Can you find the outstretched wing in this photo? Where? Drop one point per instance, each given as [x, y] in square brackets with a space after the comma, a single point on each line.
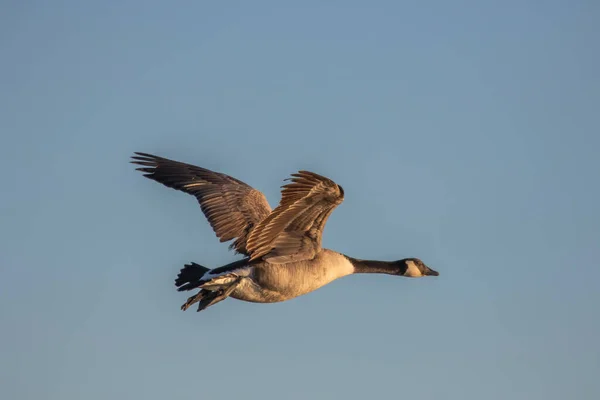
[293, 230]
[232, 207]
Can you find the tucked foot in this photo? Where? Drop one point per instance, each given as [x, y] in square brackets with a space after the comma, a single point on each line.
[193, 299]
[209, 297]
[212, 298]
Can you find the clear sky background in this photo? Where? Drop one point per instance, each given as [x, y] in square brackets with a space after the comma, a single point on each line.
[465, 133]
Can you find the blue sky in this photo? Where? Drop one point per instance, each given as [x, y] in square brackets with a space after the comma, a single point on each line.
[464, 133]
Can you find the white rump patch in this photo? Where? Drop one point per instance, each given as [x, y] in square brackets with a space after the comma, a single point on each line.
[215, 281]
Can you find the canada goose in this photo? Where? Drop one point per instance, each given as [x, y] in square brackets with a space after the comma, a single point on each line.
[284, 258]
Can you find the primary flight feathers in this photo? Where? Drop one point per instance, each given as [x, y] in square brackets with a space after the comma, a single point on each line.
[235, 210]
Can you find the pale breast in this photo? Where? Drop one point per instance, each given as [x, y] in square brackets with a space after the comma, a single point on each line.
[279, 282]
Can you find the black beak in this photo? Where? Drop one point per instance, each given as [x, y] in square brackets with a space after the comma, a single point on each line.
[430, 272]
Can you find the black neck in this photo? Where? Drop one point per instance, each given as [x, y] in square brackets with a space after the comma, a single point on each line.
[377, 267]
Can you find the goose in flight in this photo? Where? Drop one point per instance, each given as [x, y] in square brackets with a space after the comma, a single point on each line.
[282, 247]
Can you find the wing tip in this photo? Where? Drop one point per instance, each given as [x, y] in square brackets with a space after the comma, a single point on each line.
[144, 157]
[142, 154]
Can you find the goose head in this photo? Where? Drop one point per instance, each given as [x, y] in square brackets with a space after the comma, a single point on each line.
[415, 268]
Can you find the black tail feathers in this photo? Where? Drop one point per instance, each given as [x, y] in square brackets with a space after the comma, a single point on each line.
[190, 276]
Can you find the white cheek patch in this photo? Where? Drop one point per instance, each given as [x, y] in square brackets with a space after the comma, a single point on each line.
[412, 271]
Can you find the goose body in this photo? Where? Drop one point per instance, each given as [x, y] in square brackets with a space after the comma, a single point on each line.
[282, 247]
[269, 283]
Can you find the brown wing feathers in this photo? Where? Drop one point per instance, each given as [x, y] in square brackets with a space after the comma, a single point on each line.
[231, 206]
[293, 230]
[235, 210]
